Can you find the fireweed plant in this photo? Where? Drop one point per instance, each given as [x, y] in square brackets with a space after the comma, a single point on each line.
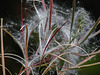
[60, 39]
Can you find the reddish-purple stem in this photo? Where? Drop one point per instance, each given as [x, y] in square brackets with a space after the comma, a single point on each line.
[36, 64]
[52, 8]
[87, 57]
[46, 24]
[53, 36]
[22, 20]
[43, 3]
[51, 4]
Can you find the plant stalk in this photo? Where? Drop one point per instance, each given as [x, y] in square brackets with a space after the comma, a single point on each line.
[51, 5]
[2, 49]
[22, 20]
[26, 51]
[72, 20]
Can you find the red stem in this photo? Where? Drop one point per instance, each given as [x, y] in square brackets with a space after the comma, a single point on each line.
[51, 4]
[53, 36]
[43, 5]
[22, 20]
[35, 64]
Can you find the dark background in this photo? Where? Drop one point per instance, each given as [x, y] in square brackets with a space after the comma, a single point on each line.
[90, 5]
[11, 8]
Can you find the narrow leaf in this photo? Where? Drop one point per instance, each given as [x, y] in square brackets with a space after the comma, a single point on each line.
[73, 13]
[26, 51]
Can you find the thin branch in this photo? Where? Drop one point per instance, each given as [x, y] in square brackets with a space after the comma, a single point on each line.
[62, 59]
[94, 64]
[89, 65]
[2, 49]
